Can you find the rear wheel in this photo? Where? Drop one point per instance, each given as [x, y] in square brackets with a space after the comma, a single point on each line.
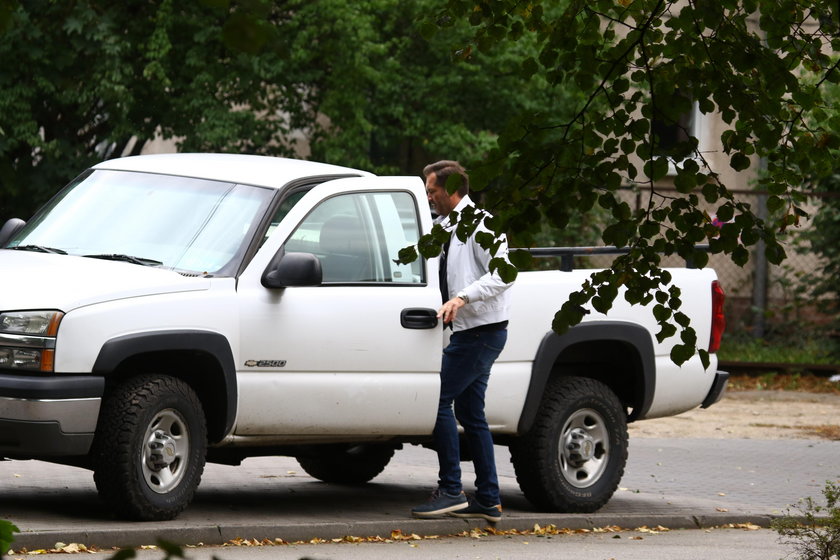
[347, 465]
[573, 458]
[150, 448]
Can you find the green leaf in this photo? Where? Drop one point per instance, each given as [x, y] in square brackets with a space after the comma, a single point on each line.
[775, 203]
[123, 554]
[453, 183]
[7, 531]
[568, 316]
[521, 258]
[649, 229]
[726, 212]
[667, 330]
[704, 358]
[739, 161]
[171, 549]
[656, 169]
[407, 255]
[689, 336]
[661, 313]
[681, 353]
[506, 271]
[529, 67]
[740, 256]
[429, 247]
[427, 29]
[699, 258]
[684, 182]
[775, 253]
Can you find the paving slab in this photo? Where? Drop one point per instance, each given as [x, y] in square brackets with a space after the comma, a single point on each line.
[675, 483]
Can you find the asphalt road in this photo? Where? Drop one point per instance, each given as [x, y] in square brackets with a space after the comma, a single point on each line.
[674, 483]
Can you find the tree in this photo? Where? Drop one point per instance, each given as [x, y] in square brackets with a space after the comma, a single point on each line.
[84, 81]
[761, 65]
[352, 79]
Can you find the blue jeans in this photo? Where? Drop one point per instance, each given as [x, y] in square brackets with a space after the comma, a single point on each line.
[463, 378]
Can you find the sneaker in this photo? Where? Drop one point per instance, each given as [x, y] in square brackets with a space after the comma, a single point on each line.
[440, 504]
[493, 514]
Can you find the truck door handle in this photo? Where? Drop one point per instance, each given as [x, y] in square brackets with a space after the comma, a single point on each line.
[418, 318]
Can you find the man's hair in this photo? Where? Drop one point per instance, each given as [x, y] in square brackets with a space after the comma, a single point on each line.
[443, 169]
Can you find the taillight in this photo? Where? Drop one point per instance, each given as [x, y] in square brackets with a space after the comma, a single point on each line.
[718, 318]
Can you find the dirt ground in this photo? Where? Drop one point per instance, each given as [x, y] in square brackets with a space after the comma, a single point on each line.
[763, 414]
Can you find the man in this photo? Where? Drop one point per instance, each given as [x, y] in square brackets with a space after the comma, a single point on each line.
[476, 306]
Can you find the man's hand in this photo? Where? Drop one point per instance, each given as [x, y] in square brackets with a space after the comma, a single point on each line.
[449, 310]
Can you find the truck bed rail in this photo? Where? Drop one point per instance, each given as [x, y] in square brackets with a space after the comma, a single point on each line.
[567, 254]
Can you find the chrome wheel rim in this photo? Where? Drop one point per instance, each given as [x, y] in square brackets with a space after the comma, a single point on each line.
[584, 448]
[165, 452]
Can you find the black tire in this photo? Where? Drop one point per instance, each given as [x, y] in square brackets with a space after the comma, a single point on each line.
[573, 458]
[150, 448]
[347, 465]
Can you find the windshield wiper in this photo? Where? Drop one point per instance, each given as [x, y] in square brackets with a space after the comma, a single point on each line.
[38, 249]
[126, 258]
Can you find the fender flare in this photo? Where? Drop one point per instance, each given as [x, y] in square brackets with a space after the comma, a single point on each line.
[553, 345]
[214, 344]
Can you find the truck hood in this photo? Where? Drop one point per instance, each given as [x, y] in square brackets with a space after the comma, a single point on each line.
[49, 281]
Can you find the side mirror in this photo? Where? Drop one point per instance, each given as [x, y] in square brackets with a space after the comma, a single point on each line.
[9, 229]
[293, 269]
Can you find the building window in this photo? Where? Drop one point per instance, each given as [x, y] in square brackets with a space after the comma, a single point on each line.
[673, 128]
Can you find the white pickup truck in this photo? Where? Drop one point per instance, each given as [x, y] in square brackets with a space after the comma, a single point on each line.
[163, 311]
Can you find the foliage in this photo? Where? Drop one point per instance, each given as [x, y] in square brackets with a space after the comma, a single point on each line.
[7, 531]
[636, 61]
[815, 534]
[548, 102]
[352, 81]
[825, 241]
[81, 81]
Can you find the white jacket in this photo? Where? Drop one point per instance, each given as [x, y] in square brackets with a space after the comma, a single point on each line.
[468, 271]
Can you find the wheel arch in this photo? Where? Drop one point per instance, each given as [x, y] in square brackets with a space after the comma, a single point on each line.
[202, 359]
[607, 351]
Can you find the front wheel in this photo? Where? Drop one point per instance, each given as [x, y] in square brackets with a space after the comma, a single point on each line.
[573, 458]
[149, 448]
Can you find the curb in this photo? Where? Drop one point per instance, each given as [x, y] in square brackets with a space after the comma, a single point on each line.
[140, 534]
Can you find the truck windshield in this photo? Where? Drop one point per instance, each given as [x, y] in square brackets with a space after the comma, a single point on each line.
[184, 224]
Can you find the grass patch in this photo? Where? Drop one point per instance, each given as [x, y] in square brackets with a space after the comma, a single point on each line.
[825, 431]
[808, 383]
[791, 350]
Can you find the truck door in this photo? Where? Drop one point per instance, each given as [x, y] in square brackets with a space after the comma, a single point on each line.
[360, 353]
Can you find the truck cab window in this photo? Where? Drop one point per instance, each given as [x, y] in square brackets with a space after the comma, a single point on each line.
[357, 238]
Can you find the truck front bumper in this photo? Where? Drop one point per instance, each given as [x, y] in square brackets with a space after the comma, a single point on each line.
[717, 390]
[48, 416]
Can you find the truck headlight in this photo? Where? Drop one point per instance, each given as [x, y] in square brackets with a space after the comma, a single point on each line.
[27, 339]
[38, 323]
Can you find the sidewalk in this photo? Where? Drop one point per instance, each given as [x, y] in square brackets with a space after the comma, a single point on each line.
[675, 483]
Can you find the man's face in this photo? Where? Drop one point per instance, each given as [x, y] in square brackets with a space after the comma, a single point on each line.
[439, 199]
